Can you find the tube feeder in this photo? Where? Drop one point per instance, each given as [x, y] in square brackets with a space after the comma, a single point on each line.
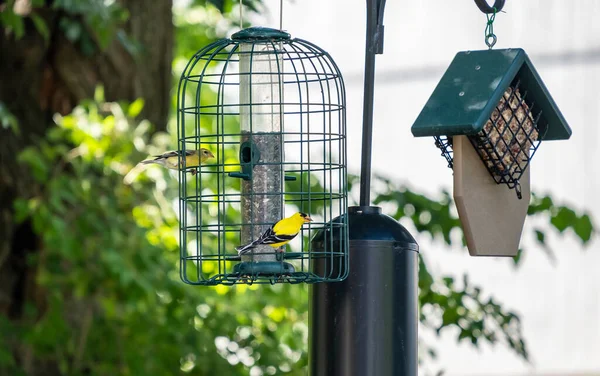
[271, 108]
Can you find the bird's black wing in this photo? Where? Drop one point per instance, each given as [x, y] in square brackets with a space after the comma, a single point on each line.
[270, 237]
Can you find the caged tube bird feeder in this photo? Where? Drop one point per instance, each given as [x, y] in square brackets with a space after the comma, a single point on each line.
[488, 115]
[261, 92]
[271, 108]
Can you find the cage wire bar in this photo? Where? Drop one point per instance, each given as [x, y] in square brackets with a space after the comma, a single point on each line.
[272, 111]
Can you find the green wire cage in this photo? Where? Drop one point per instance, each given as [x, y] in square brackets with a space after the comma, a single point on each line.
[272, 111]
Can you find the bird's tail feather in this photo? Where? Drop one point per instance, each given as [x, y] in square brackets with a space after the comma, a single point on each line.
[157, 161]
[243, 249]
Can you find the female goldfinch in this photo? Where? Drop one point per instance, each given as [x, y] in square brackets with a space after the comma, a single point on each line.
[170, 159]
[279, 234]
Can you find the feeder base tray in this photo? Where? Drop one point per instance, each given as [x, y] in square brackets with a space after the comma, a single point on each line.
[264, 268]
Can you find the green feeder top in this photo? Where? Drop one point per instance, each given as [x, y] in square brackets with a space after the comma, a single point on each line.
[260, 33]
[472, 86]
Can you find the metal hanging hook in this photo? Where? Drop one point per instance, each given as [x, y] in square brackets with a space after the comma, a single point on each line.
[485, 8]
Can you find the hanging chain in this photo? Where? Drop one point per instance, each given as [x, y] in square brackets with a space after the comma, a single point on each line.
[281, 15]
[241, 18]
[490, 37]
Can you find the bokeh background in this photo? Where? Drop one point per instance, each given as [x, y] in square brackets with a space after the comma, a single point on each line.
[89, 280]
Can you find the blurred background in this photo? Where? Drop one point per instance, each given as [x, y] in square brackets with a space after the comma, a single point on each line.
[89, 276]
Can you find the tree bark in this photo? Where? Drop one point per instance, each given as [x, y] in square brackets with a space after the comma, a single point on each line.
[38, 79]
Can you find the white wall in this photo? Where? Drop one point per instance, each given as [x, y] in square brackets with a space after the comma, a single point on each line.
[559, 304]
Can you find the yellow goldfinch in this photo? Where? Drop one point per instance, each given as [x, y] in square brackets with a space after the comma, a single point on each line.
[170, 159]
[279, 234]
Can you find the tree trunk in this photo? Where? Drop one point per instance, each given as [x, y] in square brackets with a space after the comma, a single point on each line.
[38, 79]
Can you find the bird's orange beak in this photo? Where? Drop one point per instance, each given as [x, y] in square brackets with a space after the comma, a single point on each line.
[307, 219]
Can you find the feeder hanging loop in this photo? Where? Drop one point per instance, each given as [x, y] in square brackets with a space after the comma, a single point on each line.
[485, 8]
[490, 37]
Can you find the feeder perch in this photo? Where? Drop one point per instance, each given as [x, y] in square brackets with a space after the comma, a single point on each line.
[488, 115]
[271, 108]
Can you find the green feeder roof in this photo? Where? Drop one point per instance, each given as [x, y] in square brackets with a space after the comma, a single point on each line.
[472, 86]
[260, 33]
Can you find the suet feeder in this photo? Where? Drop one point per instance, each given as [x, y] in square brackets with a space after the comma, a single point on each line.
[271, 108]
[488, 115]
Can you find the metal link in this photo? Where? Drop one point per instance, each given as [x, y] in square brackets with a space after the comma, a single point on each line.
[490, 40]
[490, 37]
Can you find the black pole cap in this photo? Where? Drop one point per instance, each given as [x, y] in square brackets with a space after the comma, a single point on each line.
[368, 223]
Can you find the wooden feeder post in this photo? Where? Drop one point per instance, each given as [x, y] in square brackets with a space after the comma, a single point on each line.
[488, 115]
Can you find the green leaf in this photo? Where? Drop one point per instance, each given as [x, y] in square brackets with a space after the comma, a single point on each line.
[7, 119]
[32, 157]
[584, 228]
[450, 316]
[563, 219]
[539, 205]
[135, 108]
[517, 258]
[22, 209]
[12, 21]
[41, 26]
[99, 94]
[541, 237]
[6, 357]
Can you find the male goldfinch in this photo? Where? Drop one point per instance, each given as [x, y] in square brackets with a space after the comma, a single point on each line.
[170, 159]
[279, 234]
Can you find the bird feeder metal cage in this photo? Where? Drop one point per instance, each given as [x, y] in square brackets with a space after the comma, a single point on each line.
[271, 109]
[497, 99]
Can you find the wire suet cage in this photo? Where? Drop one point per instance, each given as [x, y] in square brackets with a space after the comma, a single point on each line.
[271, 108]
[497, 99]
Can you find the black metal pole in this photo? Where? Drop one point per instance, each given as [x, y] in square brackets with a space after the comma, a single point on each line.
[374, 45]
[366, 325]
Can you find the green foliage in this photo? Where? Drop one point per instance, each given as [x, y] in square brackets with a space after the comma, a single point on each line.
[11, 21]
[437, 218]
[110, 250]
[7, 119]
[446, 304]
[90, 24]
[202, 22]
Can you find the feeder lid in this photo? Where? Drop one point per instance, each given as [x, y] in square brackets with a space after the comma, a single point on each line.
[260, 33]
[474, 83]
[369, 223]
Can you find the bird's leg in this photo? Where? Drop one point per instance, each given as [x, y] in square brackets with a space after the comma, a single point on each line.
[279, 254]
